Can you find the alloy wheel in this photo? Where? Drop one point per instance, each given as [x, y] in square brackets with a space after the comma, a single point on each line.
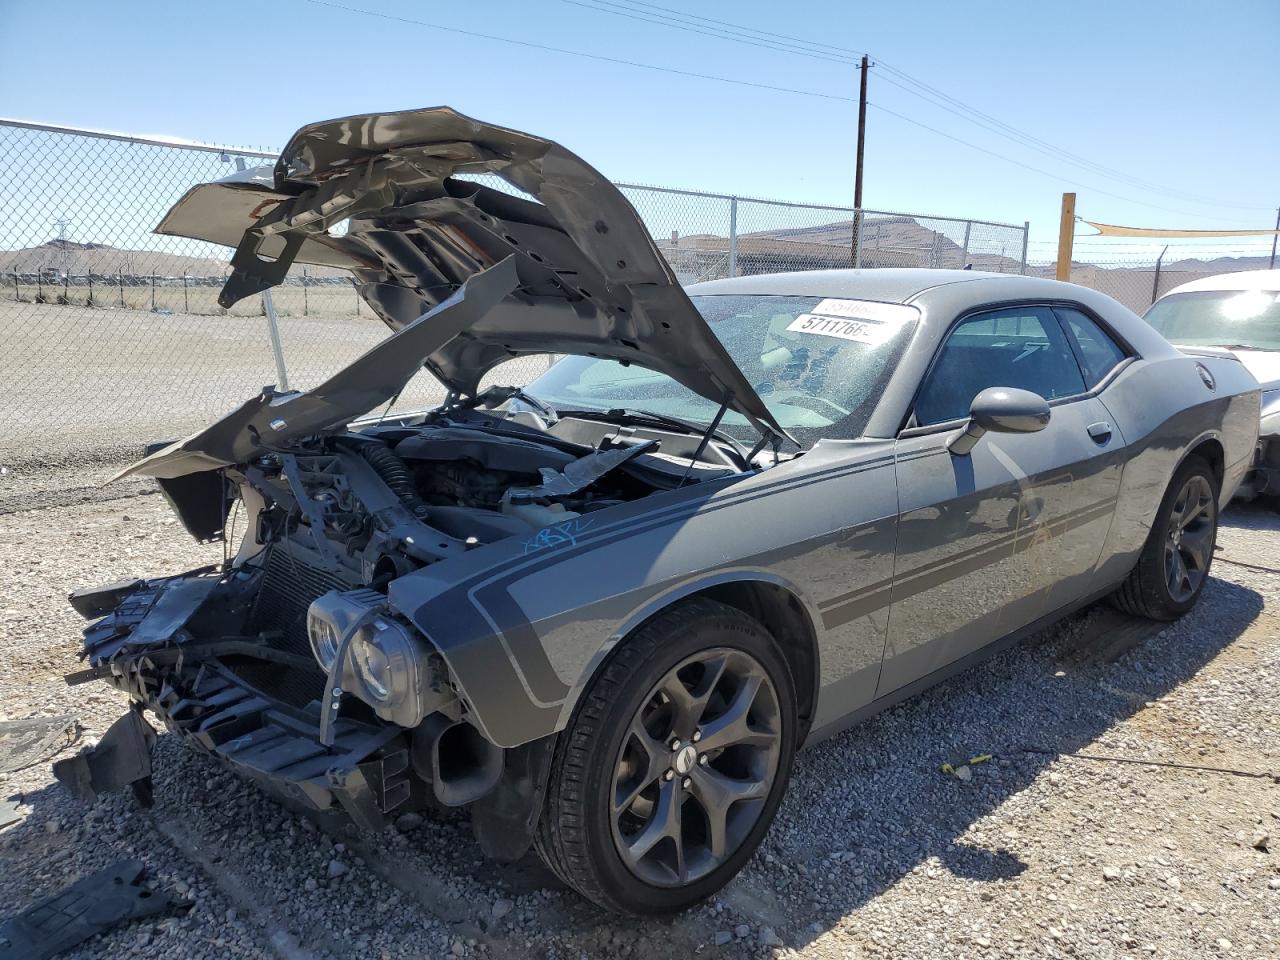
[1188, 547]
[696, 766]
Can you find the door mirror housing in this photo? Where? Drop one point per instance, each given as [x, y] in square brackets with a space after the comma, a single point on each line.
[1001, 410]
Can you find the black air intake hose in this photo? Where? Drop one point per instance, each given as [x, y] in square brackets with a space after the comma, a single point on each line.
[395, 473]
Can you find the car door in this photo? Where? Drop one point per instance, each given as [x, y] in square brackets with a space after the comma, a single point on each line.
[986, 539]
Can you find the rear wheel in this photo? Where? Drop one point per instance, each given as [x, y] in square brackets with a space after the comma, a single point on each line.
[1174, 564]
[674, 763]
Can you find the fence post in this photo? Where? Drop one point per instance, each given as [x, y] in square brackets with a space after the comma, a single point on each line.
[120, 281]
[857, 238]
[273, 332]
[40, 285]
[186, 301]
[305, 309]
[1026, 232]
[17, 294]
[89, 300]
[66, 287]
[733, 236]
[964, 251]
[153, 293]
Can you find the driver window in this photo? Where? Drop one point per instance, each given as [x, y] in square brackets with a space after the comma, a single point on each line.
[1021, 347]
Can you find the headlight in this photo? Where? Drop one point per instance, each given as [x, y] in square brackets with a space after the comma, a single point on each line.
[388, 665]
[324, 639]
[380, 654]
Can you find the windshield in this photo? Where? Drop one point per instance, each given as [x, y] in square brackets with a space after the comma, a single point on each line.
[1248, 319]
[819, 364]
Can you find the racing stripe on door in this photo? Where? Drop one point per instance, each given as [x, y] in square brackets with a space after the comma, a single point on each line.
[841, 609]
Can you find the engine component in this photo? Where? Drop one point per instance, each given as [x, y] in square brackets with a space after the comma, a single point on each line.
[465, 484]
[537, 515]
[387, 664]
[396, 473]
[506, 453]
[580, 473]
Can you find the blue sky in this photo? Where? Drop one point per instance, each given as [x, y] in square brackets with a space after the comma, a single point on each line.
[1179, 95]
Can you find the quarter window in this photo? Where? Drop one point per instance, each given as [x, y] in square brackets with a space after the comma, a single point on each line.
[1021, 347]
[1099, 354]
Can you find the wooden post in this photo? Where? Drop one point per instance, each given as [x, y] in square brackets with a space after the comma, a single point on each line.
[1066, 232]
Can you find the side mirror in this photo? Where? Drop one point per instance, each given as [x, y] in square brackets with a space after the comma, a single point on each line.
[1001, 410]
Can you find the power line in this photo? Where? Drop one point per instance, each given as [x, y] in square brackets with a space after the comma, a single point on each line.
[974, 146]
[738, 27]
[577, 53]
[726, 30]
[1001, 128]
[719, 79]
[763, 42]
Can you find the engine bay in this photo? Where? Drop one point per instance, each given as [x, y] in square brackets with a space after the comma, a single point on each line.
[373, 504]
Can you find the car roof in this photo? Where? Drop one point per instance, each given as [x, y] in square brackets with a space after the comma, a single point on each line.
[941, 296]
[886, 284]
[1242, 280]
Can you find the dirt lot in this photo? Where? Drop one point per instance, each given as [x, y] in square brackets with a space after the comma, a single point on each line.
[80, 377]
[876, 853]
[85, 389]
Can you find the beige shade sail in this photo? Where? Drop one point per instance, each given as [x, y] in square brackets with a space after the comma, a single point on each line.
[1112, 230]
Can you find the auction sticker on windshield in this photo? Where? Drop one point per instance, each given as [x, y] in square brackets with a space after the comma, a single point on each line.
[863, 321]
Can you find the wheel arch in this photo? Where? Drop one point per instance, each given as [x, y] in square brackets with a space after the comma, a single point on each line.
[776, 602]
[1209, 447]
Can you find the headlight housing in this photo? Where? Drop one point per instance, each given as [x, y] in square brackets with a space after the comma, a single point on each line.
[324, 640]
[388, 664]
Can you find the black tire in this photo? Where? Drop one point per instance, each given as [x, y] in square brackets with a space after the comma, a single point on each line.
[578, 834]
[1147, 592]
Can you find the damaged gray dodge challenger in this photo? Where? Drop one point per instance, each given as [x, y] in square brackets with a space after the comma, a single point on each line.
[603, 610]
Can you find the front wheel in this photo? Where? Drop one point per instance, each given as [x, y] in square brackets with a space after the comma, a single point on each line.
[674, 763]
[1174, 564]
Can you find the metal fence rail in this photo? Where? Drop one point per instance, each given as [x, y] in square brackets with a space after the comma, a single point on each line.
[1138, 274]
[112, 334]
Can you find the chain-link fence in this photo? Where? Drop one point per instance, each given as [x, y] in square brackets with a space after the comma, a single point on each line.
[112, 335]
[1136, 272]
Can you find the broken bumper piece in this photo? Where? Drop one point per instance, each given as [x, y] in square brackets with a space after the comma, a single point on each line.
[364, 774]
[194, 687]
[86, 908]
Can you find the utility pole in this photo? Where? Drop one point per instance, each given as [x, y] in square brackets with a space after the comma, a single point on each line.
[1275, 236]
[857, 173]
[1066, 232]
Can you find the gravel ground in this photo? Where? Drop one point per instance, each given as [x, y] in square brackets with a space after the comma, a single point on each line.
[875, 853]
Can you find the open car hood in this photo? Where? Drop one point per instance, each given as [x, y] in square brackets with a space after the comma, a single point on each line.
[589, 278]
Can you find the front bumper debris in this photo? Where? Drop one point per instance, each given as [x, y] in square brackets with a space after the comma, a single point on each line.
[121, 759]
[86, 908]
[146, 647]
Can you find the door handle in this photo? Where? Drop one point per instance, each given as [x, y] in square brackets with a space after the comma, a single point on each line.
[1100, 431]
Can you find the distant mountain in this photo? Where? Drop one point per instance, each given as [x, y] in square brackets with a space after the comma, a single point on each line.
[105, 260]
[887, 242]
